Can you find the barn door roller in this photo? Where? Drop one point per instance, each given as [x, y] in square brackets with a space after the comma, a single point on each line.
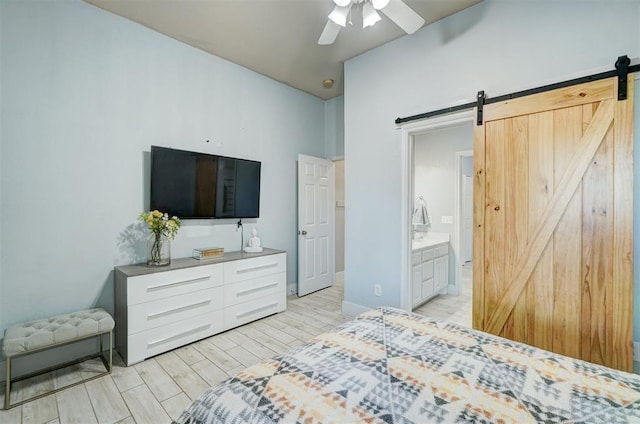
[622, 67]
[480, 98]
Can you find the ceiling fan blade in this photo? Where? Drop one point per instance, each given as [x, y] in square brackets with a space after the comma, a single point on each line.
[329, 33]
[404, 16]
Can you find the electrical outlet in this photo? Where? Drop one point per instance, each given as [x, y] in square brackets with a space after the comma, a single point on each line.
[447, 219]
[377, 290]
[636, 351]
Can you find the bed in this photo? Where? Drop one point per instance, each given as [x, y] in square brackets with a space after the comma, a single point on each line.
[390, 366]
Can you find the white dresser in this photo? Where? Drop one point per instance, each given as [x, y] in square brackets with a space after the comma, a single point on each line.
[430, 268]
[159, 309]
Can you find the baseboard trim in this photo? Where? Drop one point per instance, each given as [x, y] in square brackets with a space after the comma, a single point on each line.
[339, 276]
[353, 309]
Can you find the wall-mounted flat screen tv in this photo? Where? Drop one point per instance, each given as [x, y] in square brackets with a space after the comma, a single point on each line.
[193, 185]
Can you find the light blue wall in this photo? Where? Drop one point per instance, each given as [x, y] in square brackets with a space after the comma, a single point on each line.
[497, 46]
[84, 95]
[334, 127]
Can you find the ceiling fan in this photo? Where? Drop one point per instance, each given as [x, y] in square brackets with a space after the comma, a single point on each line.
[396, 10]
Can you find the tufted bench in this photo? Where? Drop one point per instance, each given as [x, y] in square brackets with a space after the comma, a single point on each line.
[43, 334]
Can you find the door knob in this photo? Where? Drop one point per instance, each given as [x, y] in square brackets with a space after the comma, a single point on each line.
[303, 232]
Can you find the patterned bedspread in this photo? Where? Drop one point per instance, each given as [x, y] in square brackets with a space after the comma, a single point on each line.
[394, 367]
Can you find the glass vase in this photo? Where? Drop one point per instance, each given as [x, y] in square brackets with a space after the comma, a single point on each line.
[159, 250]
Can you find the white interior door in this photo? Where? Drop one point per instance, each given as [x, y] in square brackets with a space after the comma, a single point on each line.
[467, 218]
[316, 213]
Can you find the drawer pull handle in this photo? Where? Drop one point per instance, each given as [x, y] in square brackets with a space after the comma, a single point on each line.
[178, 336]
[254, 289]
[256, 268]
[253, 311]
[178, 309]
[178, 283]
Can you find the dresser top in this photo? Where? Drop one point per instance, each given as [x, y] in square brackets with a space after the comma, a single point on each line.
[143, 269]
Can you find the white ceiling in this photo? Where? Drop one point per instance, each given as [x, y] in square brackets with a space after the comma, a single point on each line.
[276, 38]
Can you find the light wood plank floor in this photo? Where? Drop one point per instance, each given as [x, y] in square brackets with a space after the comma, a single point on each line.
[158, 389]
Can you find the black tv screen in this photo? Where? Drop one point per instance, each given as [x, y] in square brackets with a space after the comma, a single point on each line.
[199, 185]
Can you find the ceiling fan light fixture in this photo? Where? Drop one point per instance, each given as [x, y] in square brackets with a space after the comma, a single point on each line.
[369, 15]
[339, 15]
[342, 3]
[379, 4]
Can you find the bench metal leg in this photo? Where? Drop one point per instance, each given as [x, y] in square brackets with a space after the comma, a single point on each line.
[108, 366]
[7, 390]
[110, 351]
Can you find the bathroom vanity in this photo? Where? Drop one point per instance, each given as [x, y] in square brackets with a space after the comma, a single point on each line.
[429, 267]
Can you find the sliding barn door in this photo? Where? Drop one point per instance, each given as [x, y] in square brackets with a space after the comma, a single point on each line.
[553, 222]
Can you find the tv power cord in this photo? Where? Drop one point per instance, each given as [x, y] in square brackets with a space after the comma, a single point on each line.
[239, 225]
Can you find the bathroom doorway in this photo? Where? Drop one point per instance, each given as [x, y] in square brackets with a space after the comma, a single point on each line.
[436, 155]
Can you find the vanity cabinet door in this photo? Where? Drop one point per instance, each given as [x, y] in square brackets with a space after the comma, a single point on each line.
[441, 272]
[416, 284]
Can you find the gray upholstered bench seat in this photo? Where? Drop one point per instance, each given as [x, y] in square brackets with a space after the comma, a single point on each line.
[44, 333]
[29, 337]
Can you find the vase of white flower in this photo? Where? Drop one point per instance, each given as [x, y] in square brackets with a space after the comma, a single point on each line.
[163, 229]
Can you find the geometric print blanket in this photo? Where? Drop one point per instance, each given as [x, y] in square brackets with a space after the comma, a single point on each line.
[390, 366]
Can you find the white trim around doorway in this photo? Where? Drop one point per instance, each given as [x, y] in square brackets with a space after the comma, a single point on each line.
[457, 231]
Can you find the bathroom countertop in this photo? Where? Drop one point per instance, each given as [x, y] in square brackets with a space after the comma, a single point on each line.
[429, 240]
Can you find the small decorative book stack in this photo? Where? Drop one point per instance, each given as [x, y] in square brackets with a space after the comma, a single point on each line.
[208, 253]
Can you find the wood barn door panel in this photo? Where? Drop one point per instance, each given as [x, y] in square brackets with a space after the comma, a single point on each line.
[620, 318]
[541, 190]
[567, 239]
[553, 225]
[479, 262]
[576, 95]
[494, 219]
[540, 236]
[597, 251]
[516, 204]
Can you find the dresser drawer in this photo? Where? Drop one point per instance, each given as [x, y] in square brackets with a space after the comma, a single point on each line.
[416, 258]
[144, 316]
[157, 340]
[160, 285]
[442, 250]
[247, 269]
[427, 254]
[250, 311]
[244, 291]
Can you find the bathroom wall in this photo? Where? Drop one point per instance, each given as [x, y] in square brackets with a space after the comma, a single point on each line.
[435, 172]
